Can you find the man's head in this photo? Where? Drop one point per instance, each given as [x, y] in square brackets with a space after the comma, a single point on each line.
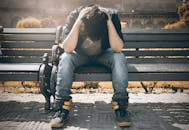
[95, 22]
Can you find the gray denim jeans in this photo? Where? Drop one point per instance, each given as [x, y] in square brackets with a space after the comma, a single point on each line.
[69, 61]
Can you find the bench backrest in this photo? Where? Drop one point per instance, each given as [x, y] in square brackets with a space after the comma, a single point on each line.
[141, 46]
[27, 45]
[156, 46]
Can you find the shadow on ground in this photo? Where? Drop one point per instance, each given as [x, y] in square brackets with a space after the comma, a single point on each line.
[97, 116]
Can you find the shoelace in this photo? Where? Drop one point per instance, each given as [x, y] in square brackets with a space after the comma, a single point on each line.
[57, 114]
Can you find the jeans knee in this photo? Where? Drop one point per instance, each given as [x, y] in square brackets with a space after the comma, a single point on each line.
[119, 58]
[65, 59]
[66, 62]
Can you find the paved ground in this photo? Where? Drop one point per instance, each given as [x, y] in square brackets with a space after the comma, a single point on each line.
[93, 112]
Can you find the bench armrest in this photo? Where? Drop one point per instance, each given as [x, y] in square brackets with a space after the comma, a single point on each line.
[56, 52]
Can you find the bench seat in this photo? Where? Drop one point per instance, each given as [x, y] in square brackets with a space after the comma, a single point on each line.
[137, 72]
[18, 71]
[20, 67]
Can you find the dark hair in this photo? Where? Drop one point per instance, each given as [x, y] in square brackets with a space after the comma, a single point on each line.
[95, 23]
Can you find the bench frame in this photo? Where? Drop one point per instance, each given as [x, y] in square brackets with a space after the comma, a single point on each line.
[40, 71]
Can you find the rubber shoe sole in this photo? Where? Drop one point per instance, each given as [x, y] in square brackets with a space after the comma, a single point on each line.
[124, 124]
[57, 125]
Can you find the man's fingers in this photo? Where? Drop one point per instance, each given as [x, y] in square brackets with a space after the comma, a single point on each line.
[106, 12]
[84, 12]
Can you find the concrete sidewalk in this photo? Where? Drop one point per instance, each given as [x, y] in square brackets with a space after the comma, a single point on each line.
[93, 112]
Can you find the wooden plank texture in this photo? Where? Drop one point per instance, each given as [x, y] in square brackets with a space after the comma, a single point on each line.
[134, 77]
[19, 76]
[8, 67]
[157, 53]
[21, 59]
[138, 68]
[25, 52]
[157, 44]
[26, 37]
[31, 44]
[29, 30]
[38, 59]
[156, 37]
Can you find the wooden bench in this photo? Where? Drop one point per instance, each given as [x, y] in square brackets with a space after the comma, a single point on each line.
[152, 55]
[24, 53]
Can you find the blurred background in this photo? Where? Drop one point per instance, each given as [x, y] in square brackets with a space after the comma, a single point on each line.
[133, 13]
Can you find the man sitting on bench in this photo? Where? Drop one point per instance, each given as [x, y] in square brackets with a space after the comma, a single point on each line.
[92, 35]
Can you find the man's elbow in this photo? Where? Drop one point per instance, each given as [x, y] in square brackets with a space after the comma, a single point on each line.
[68, 50]
[117, 49]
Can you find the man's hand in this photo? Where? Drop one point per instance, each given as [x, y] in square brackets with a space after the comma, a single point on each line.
[83, 13]
[116, 42]
[70, 42]
[105, 10]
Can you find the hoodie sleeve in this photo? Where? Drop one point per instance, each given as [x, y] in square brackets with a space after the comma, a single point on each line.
[70, 20]
[117, 24]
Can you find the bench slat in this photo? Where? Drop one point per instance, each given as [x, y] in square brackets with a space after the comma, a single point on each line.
[157, 53]
[134, 77]
[19, 76]
[21, 59]
[20, 67]
[129, 60]
[156, 37]
[161, 44]
[159, 77]
[126, 53]
[158, 68]
[25, 37]
[29, 30]
[155, 31]
[139, 68]
[25, 52]
[46, 44]
[157, 60]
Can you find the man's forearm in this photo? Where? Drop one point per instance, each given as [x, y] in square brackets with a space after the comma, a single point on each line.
[70, 43]
[116, 42]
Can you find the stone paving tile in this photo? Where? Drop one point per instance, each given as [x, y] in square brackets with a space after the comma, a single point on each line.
[93, 116]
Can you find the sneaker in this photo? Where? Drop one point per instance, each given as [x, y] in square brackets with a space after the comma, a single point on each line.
[122, 118]
[59, 120]
[61, 116]
[121, 115]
